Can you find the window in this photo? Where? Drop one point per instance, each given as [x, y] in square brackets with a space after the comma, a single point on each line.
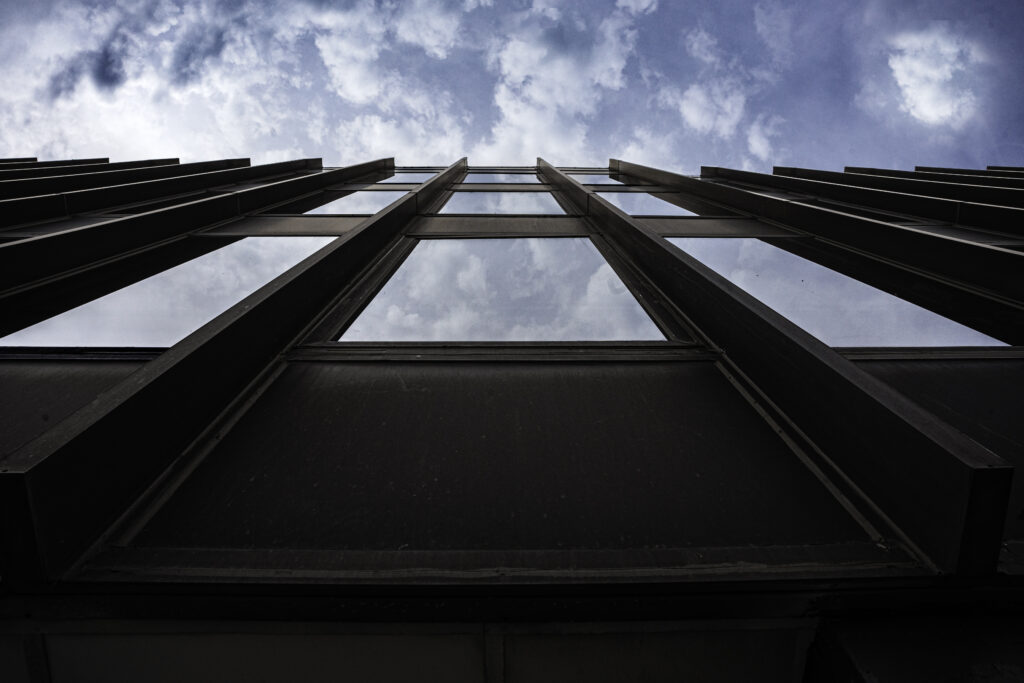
[502, 202]
[501, 178]
[166, 307]
[835, 308]
[595, 179]
[537, 289]
[358, 202]
[401, 177]
[644, 204]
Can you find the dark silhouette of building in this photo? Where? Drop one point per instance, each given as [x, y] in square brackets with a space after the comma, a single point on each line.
[767, 431]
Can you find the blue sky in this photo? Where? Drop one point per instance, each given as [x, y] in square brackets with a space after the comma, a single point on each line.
[672, 84]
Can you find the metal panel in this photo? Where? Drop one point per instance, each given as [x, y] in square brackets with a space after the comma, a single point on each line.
[981, 397]
[428, 456]
[36, 394]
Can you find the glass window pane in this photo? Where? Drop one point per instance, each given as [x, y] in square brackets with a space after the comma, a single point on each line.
[164, 308]
[501, 178]
[502, 202]
[401, 177]
[595, 179]
[550, 289]
[837, 309]
[368, 201]
[644, 204]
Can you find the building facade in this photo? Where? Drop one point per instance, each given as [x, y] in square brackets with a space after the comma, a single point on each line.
[510, 423]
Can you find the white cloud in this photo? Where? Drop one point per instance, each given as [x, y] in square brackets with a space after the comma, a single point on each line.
[547, 8]
[774, 25]
[715, 107]
[428, 25]
[652, 148]
[760, 134]
[702, 45]
[637, 6]
[546, 94]
[933, 70]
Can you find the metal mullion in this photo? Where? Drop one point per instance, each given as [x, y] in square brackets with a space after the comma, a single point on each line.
[968, 213]
[943, 177]
[958, 191]
[30, 260]
[669, 319]
[351, 301]
[47, 171]
[988, 275]
[71, 466]
[28, 187]
[53, 163]
[971, 171]
[956, 521]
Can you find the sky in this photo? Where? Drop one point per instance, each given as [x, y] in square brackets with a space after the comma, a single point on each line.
[551, 289]
[886, 83]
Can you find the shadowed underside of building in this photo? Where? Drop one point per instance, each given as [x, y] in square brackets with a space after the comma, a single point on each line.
[288, 422]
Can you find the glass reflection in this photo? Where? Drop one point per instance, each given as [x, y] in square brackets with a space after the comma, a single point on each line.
[836, 309]
[502, 202]
[644, 204]
[549, 289]
[164, 308]
[368, 201]
[401, 177]
[501, 178]
[595, 179]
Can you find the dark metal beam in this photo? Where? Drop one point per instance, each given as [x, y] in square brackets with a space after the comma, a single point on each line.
[960, 191]
[28, 187]
[1002, 181]
[933, 268]
[968, 171]
[33, 163]
[101, 458]
[64, 204]
[40, 170]
[873, 436]
[988, 216]
[33, 259]
[9, 160]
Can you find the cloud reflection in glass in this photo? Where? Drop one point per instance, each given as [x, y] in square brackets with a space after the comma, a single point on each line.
[836, 309]
[166, 307]
[549, 289]
[503, 203]
[643, 204]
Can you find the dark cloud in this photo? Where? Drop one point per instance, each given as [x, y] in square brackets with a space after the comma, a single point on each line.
[199, 45]
[108, 68]
[65, 80]
[106, 65]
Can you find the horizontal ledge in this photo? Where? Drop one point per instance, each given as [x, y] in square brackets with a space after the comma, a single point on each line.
[845, 560]
[615, 351]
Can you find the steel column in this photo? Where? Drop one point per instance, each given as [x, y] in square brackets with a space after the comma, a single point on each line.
[872, 435]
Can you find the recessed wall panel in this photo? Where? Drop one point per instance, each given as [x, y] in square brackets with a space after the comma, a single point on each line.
[489, 456]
